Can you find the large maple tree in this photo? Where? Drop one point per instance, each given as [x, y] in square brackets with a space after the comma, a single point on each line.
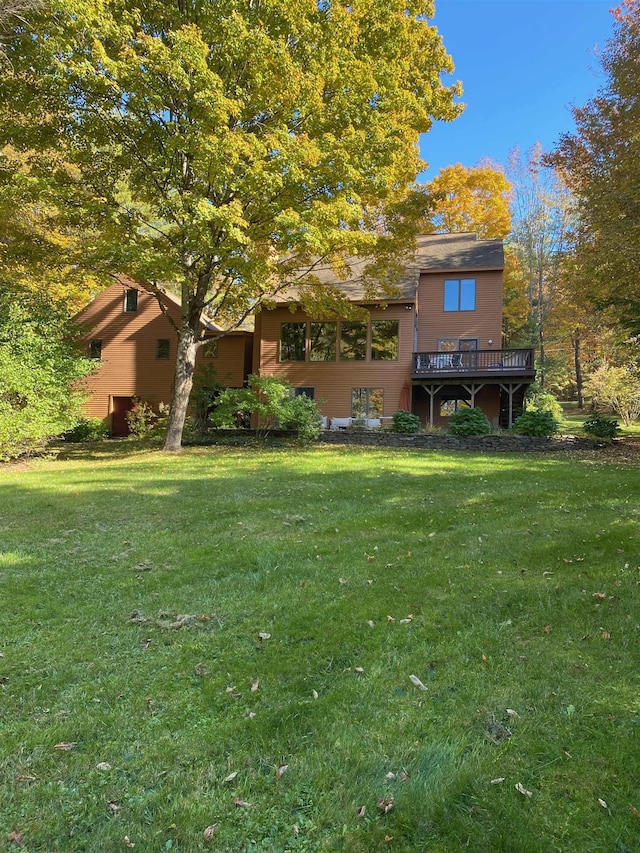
[229, 147]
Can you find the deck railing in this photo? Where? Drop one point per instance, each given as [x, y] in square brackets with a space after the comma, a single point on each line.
[483, 361]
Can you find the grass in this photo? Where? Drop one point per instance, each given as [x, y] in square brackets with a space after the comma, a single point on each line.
[316, 583]
[573, 419]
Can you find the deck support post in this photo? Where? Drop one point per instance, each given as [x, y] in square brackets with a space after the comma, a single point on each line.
[510, 389]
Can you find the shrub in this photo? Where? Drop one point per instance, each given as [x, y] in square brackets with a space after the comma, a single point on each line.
[142, 419]
[404, 421]
[539, 422]
[273, 401]
[601, 427]
[539, 400]
[87, 429]
[469, 422]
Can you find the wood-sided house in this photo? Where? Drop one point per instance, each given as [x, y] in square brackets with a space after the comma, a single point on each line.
[133, 338]
[431, 349]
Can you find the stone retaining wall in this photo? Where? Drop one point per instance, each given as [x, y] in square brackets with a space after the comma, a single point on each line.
[478, 443]
[428, 441]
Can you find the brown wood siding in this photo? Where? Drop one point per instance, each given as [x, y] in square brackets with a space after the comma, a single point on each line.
[334, 380]
[229, 363]
[485, 323]
[129, 366]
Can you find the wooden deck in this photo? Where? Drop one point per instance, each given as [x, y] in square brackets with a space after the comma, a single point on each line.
[492, 365]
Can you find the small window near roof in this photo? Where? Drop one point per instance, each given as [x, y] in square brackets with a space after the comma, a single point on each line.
[95, 349]
[130, 300]
[163, 348]
[210, 349]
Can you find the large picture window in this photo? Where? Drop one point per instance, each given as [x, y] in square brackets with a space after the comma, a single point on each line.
[322, 341]
[353, 341]
[460, 294]
[367, 402]
[293, 341]
[384, 340]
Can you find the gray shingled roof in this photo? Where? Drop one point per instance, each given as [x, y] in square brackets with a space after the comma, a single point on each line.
[434, 252]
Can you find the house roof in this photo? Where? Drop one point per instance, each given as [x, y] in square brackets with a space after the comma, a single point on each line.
[460, 252]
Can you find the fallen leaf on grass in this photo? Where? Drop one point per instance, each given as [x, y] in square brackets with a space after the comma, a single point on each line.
[342, 581]
[281, 770]
[263, 635]
[417, 683]
[385, 804]
[605, 635]
[546, 629]
[513, 714]
[231, 776]
[390, 619]
[602, 803]
[315, 694]
[255, 685]
[634, 811]
[127, 842]
[242, 804]
[15, 838]
[209, 832]
[113, 807]
[601, 596]
[358, 670]
[522, 790]
[361, 812]
[498, 780]
[390, 776]
[201, 669]
[371, 623]
[65, 745]
[103, 765]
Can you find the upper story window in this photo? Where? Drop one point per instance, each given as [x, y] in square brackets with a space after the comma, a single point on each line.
[322, 340]
[95, 348]
[293, 339]
[130, 300]
[353, 341]
[384, 340]
[163, 348]
[210, 349]
[460, 294]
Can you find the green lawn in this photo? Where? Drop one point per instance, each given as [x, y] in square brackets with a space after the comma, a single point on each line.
[227, 637]
[573, 419]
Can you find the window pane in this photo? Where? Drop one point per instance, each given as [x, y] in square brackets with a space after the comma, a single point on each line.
[131, 300]
[358, 402]
[304, 392]
[210, 349]
[323, 341]
[447, 344]
[292, 341]
[468, 294]
[353, 341]
[163, 348]
[451, 295]
[95, 349]
[376, 403]
[468, 344]
[367, 402]
[384, 340]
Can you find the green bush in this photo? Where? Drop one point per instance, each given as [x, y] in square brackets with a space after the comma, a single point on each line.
[273, 401]
[142, 420]
[404, 421]
[539, 400]
[87, 429]
[539, 422]
[469, 422]
[601, 427]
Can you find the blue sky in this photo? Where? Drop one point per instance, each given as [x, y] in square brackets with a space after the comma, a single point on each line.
[522, 64]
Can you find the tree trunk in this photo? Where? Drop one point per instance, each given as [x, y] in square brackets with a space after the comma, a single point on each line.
[182, 385]
[577, 360]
